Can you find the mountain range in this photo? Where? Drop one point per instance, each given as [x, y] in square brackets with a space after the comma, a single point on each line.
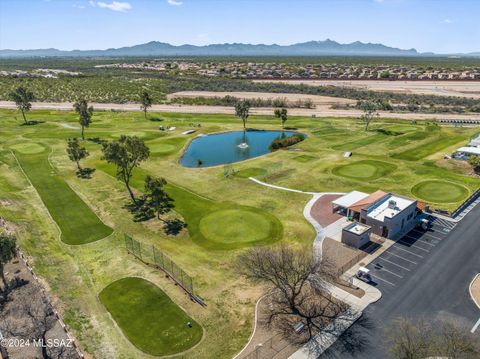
[155, 48]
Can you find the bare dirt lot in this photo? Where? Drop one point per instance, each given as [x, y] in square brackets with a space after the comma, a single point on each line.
[438, 88]
[290, 97]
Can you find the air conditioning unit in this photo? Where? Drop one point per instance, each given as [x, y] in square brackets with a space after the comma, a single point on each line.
[392, 204]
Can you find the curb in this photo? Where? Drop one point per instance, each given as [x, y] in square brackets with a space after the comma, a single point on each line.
[470, 289]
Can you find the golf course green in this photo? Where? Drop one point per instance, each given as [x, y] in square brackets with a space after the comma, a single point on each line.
[440, 191]
[364, 170]
[149, 318]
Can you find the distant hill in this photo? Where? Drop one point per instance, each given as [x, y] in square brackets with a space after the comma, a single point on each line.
[155, 48]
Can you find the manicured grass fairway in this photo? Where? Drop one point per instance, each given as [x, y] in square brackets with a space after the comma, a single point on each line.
[240, 231]
[429, 148]
[149, 318]
[79, 225]
[364, 170]
[165, 147]
[440, 191]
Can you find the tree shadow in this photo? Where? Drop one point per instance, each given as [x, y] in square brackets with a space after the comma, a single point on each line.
[85, 173]
[140, 210]
[155, 119]
[31, 123]
[173, 227]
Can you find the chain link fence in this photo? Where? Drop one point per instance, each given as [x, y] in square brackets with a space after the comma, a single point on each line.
[153, 256]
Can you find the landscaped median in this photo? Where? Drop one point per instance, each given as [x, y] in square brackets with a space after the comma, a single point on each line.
[149, 318]
[76, 220]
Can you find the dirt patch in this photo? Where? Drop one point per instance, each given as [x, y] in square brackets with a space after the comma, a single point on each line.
[27, 315]
[265, 342]
[475, 288]
[341, 256]
[350, 288]
[438, 88]
[322, 210]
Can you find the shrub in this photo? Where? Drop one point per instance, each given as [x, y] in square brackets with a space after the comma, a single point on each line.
[283, 142]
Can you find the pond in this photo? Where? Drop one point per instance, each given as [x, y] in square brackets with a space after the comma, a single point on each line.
[229, 147]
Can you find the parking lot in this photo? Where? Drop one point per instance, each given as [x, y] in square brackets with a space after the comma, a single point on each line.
[400, 261]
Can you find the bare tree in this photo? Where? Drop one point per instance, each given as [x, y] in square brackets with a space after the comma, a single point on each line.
[29, 315]
[422, 339]
[370, 112]
[301, 306]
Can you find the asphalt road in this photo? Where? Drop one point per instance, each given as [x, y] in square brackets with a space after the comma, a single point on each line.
[433, 283]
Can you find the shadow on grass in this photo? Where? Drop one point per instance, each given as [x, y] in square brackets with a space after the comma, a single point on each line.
[85, 173]
[155, 119]
[31, 123]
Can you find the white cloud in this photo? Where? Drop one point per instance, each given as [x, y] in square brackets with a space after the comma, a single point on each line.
[448, 21]
[114, 5]
[175, 2]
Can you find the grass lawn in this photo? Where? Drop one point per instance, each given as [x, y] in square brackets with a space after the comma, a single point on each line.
[225, 215]
[149, 318]
[216, 225]
[251, 172]
[426, 149]
[440, 191]
[364, 170]
[78, 223]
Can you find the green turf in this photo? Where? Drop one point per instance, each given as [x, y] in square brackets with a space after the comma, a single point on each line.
[237, 226]
[426, 149]
[251, 172]
[194, 208]
[440, 191]
[353, 145]
[364, 170]
[304, 158]
[77, 222]
[28, 148]
[166, 146]
[149, 318]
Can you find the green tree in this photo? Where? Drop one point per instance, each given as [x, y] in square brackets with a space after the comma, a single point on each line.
[7, 253]
[157, 198]
[126, 153]
[370, 111]
[85, 114]
[474, 161]
[282, 114]
[242, 109]
[146, 102]
[76, 152]
[23, 99]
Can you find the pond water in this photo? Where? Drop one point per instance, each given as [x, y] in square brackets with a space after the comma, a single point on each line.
[229, 147]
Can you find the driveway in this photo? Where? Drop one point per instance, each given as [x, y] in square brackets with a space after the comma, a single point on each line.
[425, 275]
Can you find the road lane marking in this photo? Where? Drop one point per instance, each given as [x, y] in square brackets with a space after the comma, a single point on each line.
[405, 259]
[413, 245]
[413, 254]
[428, 234]
[475, 326]
[398, 265]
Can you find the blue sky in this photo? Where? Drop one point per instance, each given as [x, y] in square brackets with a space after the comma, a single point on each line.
[442, 26]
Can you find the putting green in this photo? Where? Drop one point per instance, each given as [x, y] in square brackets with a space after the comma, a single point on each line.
[28, 148]
[238, 227]
[440, 191]
[364, 170]
[149, 318]
[162, 148]
[251, 172]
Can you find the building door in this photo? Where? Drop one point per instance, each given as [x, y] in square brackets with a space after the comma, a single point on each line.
[385, 232]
